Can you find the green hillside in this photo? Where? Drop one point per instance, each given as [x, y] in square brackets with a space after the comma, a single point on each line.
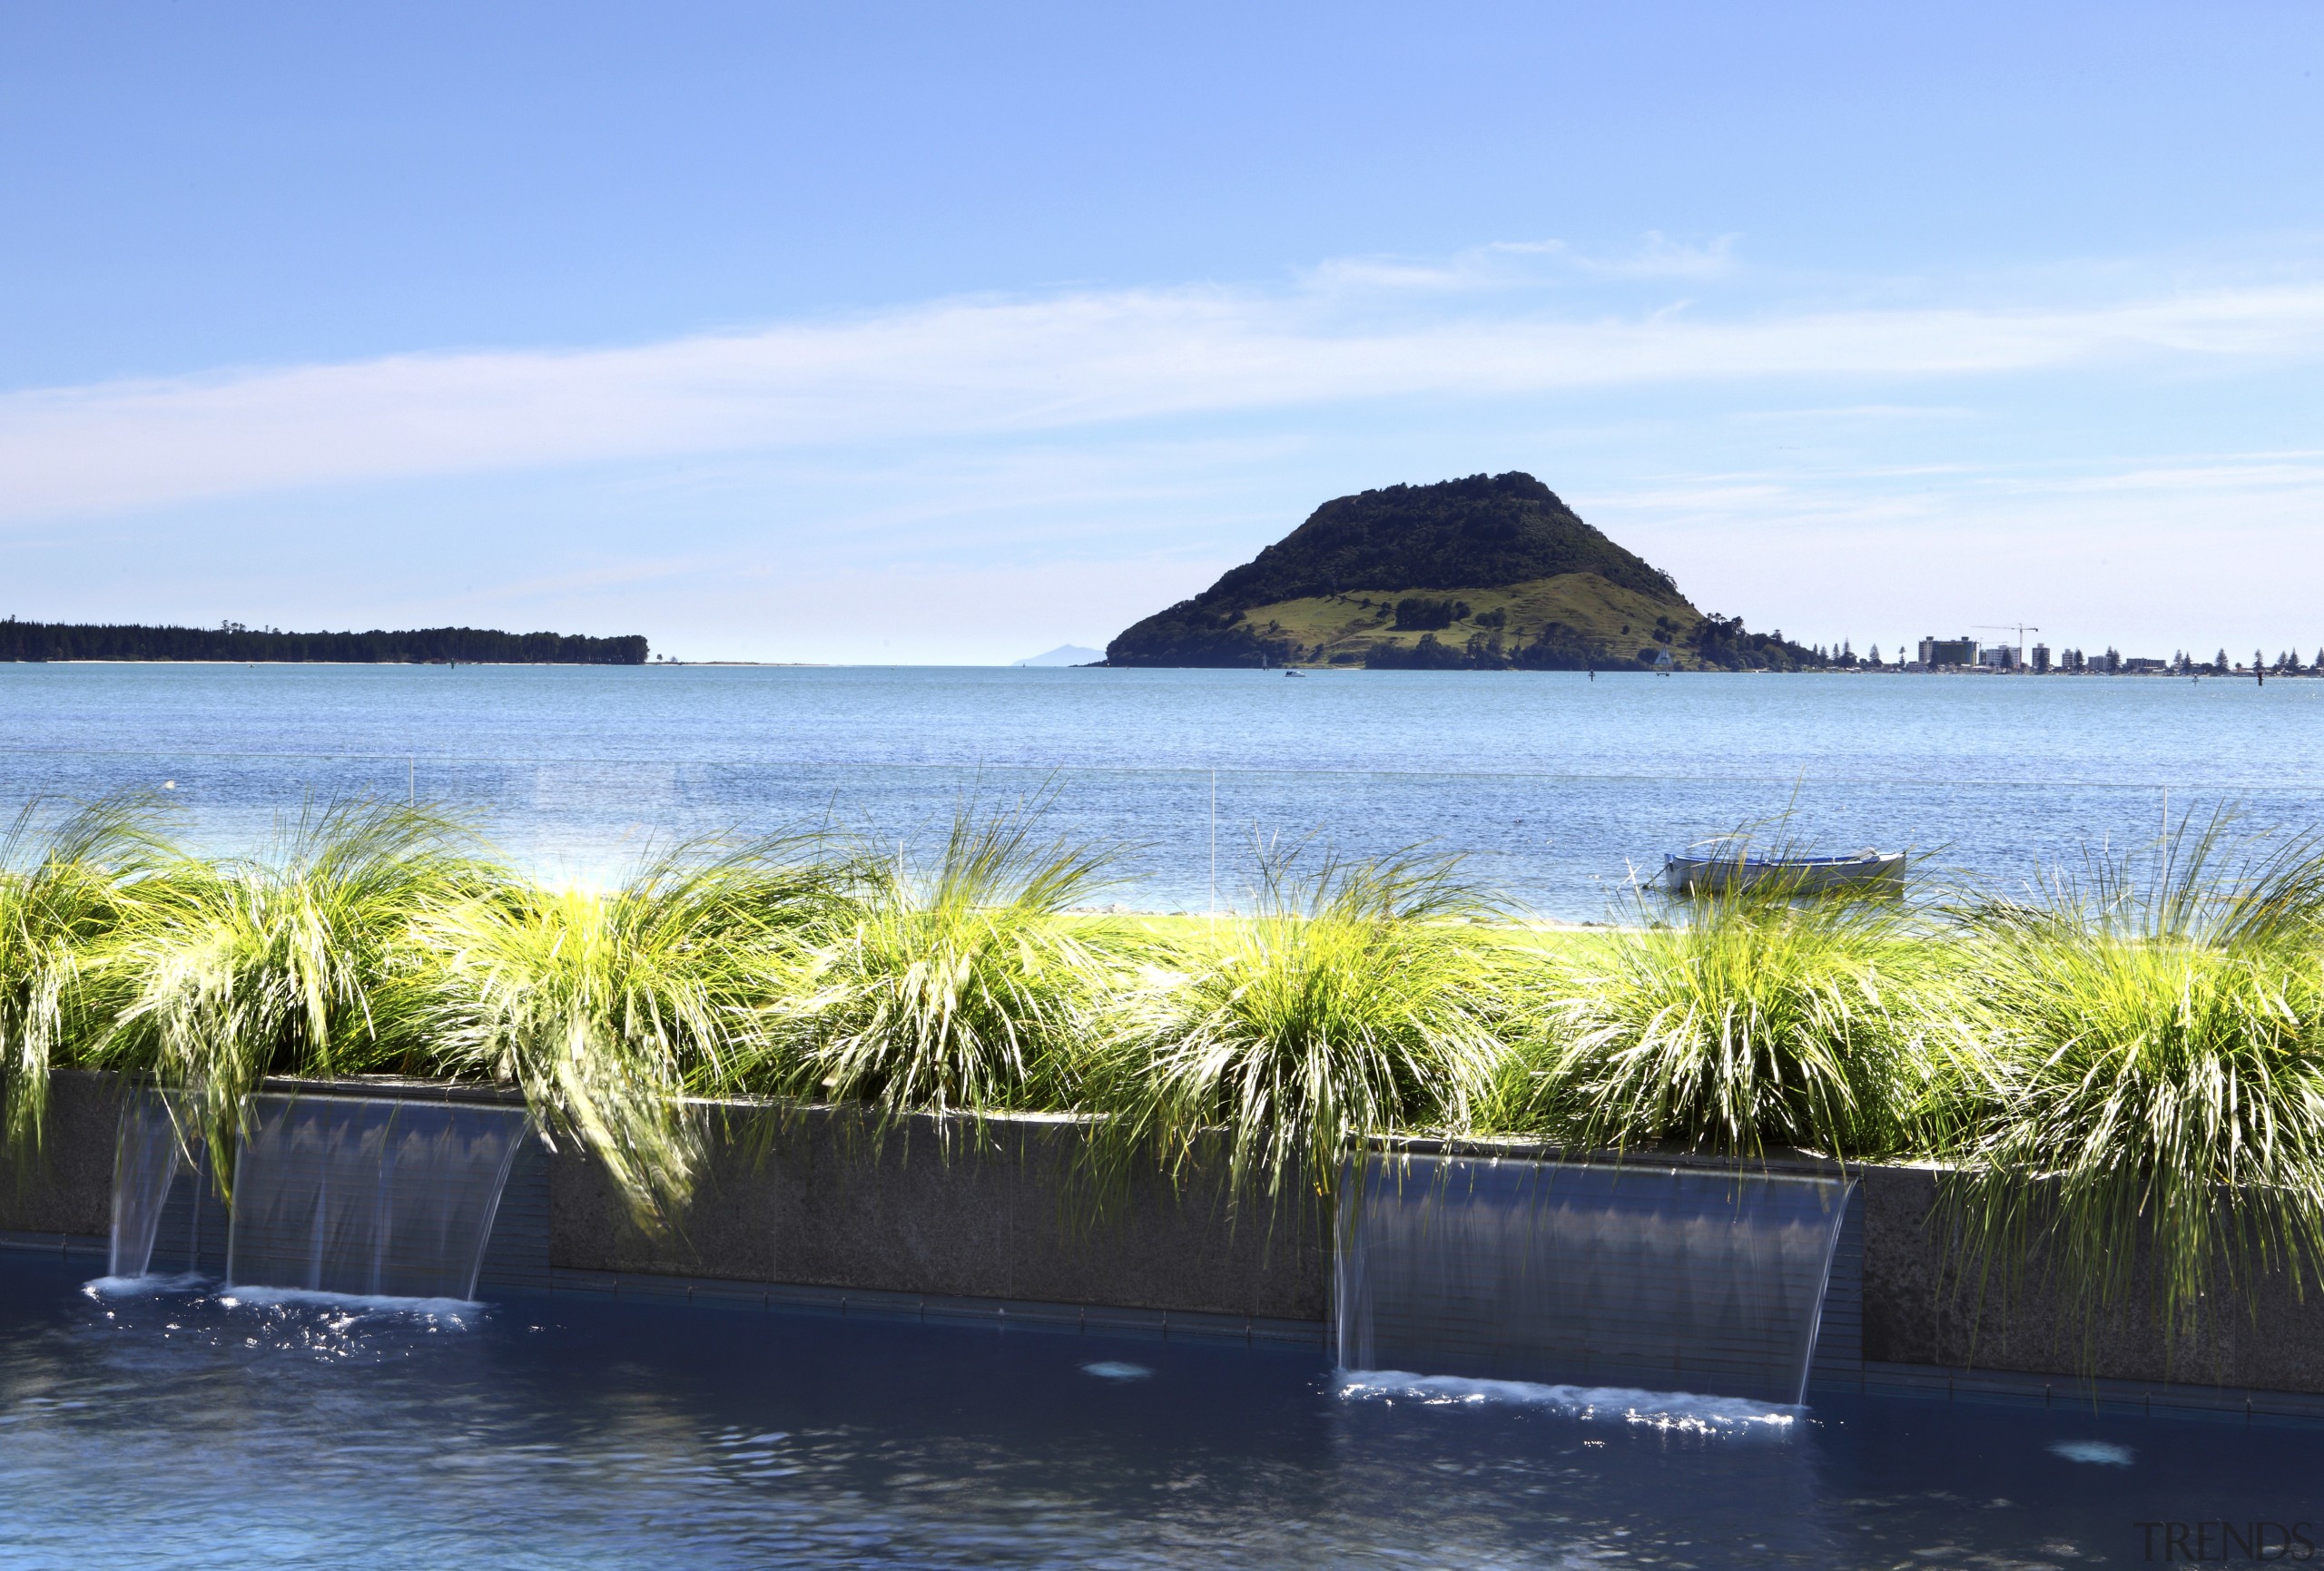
[1488, 573]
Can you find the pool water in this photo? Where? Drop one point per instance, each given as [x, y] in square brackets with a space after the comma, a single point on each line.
[188, 1427]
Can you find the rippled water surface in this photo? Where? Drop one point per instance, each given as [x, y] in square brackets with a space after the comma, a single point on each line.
[182, 1429]
[1559, 786]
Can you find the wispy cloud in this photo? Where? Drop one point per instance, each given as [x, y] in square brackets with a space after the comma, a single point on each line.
[1512, 264]
[1026, 366]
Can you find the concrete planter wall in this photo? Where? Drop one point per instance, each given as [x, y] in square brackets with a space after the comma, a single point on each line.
[1922, 1305]
[66, 1187]
[818, 1200]
[820, 1197]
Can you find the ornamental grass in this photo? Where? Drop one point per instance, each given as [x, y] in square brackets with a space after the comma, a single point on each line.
[214, 975]
[62, 892]
[1743, 1019]
[950, 987]
[2138, 1075]
[601, 1006]
[1353, 1000]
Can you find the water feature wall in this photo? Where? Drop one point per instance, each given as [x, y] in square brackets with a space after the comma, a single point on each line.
[1602, 1274]
[369, 1196]
[809, 1197]
[148, 1157]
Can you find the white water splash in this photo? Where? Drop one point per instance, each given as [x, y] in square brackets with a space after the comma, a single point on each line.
[457, 1309]
[1671, 1411]
[145, 1286]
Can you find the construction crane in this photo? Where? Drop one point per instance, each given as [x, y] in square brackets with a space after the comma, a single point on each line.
[2020, 628]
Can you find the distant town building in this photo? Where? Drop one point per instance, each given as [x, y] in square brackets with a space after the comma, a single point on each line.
[1968, 655]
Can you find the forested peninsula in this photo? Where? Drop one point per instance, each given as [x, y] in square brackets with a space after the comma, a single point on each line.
[232, 640]
[1491, 573]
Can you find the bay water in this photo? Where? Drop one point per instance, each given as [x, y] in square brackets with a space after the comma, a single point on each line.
[1559, 788]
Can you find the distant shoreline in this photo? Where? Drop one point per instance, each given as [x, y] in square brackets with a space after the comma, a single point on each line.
[231, 642]
[2232, 676]
[564, 664]
[372, 664]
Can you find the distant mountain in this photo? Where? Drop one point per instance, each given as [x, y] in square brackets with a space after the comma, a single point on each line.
[1488, 573]
[232, 640]
[1064, 654]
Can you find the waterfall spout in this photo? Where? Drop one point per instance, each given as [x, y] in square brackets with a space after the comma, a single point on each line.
[376, 1196]
[148, 1157]
[1593, 1275]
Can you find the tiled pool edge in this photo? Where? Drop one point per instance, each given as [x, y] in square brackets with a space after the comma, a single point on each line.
[2063, 1393]
[75, 1245]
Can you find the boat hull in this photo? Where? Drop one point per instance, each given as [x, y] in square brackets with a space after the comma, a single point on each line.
[1877, 872]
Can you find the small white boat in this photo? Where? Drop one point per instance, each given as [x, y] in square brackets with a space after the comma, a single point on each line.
[1867, 871]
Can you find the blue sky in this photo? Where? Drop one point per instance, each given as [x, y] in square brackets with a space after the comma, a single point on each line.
[915, 333]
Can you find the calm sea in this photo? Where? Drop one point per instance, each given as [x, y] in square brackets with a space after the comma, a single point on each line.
[1556, 786]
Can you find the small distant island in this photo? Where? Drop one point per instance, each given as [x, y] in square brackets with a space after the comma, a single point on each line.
[1064, 654]
[230, 640]
[1491, 573]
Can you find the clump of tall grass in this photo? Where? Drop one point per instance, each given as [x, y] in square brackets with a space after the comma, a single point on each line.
[1352, 1001]
[2147, 1039]
[955, 986]
[61, 893]
[1747, 1017]
[216, 974]
[600, 1006]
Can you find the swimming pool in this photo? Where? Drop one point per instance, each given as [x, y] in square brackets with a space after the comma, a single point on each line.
[185, 1427]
